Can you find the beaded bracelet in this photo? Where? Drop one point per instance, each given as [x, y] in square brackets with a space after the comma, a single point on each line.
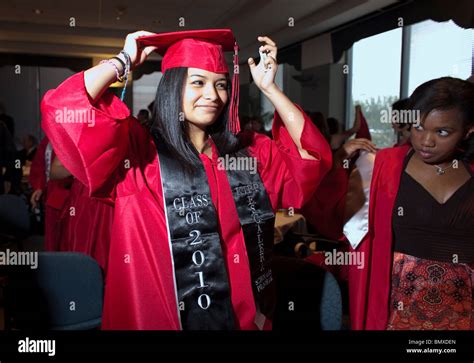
[117, 72]
[126, 69]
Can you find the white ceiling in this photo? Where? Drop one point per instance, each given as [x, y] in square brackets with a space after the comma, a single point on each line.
[42, 26]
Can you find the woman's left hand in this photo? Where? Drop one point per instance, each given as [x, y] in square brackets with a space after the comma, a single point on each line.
[264, 73]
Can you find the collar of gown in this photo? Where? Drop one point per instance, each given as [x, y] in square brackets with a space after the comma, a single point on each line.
[215, 153]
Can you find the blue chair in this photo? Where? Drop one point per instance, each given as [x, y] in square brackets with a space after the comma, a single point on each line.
[65, 292]
[331, 304]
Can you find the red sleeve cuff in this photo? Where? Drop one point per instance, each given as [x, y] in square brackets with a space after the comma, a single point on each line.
[311, 140]
[108, 103]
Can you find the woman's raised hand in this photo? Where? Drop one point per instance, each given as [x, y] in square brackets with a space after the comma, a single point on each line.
[264, 73]
[97, 79]
[137, 54]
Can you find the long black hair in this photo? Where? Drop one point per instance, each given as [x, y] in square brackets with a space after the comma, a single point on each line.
[448, 93]
[170, 124]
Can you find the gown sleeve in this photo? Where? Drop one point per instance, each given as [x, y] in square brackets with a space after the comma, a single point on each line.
[289, 179]
[91, 140]
[325, 209]
[37, 177]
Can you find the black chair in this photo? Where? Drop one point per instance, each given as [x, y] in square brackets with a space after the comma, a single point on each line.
[65, 292]
[14, 219]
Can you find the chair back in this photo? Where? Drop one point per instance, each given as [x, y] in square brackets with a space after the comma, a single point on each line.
[65, 292]
[14, 217]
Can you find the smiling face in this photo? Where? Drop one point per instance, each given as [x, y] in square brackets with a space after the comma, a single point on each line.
[436, 137]
[204, 97]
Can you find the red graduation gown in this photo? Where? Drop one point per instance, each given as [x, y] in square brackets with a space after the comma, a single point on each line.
[37, 177]
[325, 209]
[86, 224]
[55, 195]
[117, 159]
[369, 288]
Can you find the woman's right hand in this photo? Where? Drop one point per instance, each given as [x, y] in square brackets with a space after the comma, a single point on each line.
[35, 197]
[137, 54]
[349, 149]
[97, 79]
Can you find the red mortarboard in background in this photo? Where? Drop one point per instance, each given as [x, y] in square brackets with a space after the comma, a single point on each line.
[364, 131]
[203, 49]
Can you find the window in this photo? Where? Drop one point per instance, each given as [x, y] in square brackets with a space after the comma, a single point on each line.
[438, 50]
[376, 67]
[432, 49]
[144, 91]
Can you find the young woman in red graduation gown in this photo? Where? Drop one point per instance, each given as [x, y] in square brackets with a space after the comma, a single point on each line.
[73, 220]
[85, 222]
[54, 192]
[326, 209]
[117, 159]
[419, 252]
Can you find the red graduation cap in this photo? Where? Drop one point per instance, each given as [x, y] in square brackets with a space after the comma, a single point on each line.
[203, 49]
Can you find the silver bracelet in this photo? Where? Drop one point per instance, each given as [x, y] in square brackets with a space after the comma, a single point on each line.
[128, 65]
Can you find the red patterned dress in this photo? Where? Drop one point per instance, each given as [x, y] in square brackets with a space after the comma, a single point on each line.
[433, 265]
